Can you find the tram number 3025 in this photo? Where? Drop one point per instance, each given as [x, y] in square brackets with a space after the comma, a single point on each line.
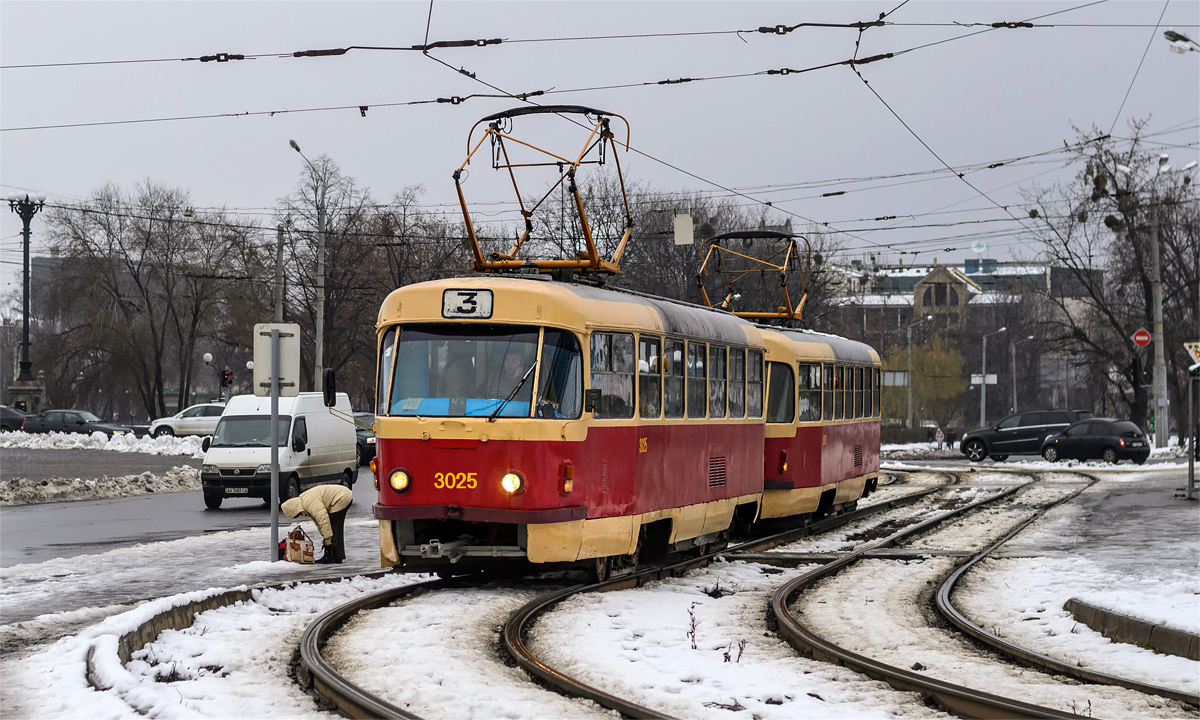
[467, 304]
[455, 481]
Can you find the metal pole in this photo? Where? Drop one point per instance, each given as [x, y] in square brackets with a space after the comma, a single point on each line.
[1161, 421]
[318, 383]
[25, 207]
[910, 377]
[274, 444]
[1191, 486]
[279, 274]
[1013, 348]
[983, 387]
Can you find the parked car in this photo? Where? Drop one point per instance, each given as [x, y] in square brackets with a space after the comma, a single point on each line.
[70, 421]
[196, 420]
[364, 421]
[10, 419]
[1018, 434]
[1098, 439]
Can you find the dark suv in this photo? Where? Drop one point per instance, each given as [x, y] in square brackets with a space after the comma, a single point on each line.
[1098, 439]
[1018, 434]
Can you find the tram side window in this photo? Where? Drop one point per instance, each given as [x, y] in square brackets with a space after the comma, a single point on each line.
[612, 374]
[649, 377]
[697, 384]
[754, 387]
[781, 393]
[560, 383]
[716, 381]
[839, 392]
[386, 352]
[808, 382]
[875, 395]
[673, 379]
[737, 382]
[859, 392]
[827, 384]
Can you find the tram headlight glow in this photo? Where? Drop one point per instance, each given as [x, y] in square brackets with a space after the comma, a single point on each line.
[512, 482]
[399, 480]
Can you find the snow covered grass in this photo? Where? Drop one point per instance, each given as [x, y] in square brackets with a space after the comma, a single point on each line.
[437, 655]
[918, 451]
[19, 491]
[1021, 600]
[699, 647]
[983, 526]
[882, 609]
[189, 445]
[232, 662]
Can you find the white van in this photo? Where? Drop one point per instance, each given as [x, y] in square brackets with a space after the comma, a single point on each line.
[315, 447]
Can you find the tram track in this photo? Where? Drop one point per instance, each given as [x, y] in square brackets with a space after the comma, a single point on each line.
[958, 698]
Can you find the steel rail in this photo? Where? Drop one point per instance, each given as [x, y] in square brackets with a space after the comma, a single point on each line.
[518, 623]
[1026, 655]
[331, 685]
[957, 698]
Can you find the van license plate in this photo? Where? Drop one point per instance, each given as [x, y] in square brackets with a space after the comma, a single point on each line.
[237, 491]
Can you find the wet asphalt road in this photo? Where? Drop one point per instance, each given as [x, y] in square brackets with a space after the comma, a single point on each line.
[34, 533]
[89, 464]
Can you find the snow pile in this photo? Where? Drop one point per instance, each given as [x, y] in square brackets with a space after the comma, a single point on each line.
[19, 491]
[124, 442]
[918, 451]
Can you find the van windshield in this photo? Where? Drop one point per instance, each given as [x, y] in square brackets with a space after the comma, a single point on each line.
[444, 370]
[249, 431]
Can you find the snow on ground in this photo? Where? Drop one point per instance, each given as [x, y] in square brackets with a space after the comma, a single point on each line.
[231, 663]
[1021, 600]
[699, 647]
[164, 568]
[437, 655]
[983, 526]
[930, 451]
[189, 445]
[19, 491]
[882, 609]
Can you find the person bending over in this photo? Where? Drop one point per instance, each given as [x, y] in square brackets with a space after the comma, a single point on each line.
[327, 506]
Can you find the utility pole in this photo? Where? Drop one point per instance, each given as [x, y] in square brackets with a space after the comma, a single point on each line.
[319, 364]
[279, 274]
[1161, 420]
[983, 380]
[910, 370]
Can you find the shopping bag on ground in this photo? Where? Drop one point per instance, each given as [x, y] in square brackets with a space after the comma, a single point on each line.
[299, 547]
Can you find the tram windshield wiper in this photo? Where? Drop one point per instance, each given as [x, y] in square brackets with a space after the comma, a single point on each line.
[513, 394]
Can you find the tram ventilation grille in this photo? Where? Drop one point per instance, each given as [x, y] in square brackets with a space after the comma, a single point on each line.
[716, 471]
[858, 456]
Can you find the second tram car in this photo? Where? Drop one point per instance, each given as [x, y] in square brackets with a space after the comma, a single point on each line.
[521, 419]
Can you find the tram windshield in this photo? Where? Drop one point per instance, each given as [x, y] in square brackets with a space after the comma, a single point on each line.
[484, 370]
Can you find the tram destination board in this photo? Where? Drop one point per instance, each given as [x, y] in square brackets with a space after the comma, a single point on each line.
[467, 303]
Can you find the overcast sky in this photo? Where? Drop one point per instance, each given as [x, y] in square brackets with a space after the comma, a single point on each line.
[990, 97]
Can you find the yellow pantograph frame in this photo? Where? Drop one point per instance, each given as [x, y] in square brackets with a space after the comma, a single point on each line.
[600, 135]
[790, 261]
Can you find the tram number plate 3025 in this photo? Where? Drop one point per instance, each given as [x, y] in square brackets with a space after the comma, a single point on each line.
[467, 303]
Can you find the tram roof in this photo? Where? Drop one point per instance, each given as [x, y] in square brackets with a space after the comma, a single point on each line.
[843, 350]
[572, 305]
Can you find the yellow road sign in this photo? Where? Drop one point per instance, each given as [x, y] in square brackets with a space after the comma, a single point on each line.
[1193, 349]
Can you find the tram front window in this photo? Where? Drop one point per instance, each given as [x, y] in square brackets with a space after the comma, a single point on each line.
[473, 371]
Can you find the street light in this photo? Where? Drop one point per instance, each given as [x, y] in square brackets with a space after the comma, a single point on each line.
[1180, 43]
[910, 370]
[25, 206]
[983, 379]
[320, 350]
[207, 358]
[1012, 346]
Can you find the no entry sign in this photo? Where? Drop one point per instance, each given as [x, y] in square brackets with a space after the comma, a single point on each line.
[1141, 338]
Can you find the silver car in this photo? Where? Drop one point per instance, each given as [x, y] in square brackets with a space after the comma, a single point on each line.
[196, 420]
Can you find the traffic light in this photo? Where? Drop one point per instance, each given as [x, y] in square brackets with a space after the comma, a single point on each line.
[1151, 422]
[226, 378]
[1135, 372]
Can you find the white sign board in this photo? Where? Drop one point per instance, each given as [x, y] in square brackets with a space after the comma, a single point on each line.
[683, 230]
[978, 379]
[895, 379]
[289, 359]
[1193, 350]
[467, 303]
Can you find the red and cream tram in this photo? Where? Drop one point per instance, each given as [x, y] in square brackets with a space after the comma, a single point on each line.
[523, 419]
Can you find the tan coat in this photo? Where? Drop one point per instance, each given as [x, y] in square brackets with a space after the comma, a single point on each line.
[317, 503]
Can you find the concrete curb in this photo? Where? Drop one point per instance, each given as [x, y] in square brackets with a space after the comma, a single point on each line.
[1126, 629]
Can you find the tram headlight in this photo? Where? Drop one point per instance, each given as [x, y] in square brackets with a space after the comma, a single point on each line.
[399, 480]
[512, 482]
